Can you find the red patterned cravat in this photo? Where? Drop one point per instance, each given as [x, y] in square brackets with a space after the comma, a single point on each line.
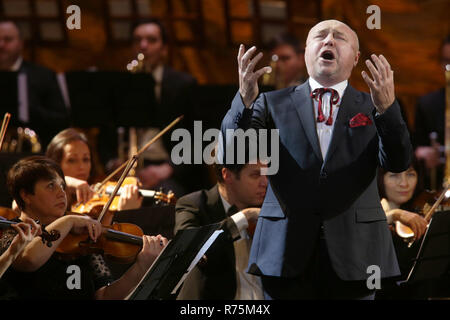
[317, 95]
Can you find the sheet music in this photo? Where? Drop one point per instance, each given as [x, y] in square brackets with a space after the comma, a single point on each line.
[197, 258]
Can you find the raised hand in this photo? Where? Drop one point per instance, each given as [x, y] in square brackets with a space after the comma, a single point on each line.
[382, 85]
[248, 78]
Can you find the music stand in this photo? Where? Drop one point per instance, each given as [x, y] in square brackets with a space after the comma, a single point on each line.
[174, 263]
[105, 98]
[90, 95]
[433, 259]
[134, 100]
[9, 94]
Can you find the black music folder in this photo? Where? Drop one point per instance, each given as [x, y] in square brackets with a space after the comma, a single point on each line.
[9, 95]
[174, 263]
[102, 98]
[433, 259]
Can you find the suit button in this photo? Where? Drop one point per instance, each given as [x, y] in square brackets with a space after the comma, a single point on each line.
[323, 175]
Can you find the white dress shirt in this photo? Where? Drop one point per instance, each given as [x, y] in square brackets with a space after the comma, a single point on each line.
[248, 286]
[156, 151]
[324, 132]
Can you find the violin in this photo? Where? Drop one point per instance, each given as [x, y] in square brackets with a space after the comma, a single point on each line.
[120, 242]
[9, 214]
[425, 204]
[94, 206]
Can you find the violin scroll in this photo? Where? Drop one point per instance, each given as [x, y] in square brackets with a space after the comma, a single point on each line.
[168, 198]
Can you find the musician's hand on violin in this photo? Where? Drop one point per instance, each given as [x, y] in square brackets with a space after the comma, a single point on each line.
[152, 247]
[85, 224]
[26, 231]
[81, 188]
[414, 221]
[130, 198]
[430, 155]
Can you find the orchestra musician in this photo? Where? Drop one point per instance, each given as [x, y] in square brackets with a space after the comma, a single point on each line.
[400, 195]
[37, 185]
[234, 202]
[174, 92]
[289, 61]
[45, 111]
[70, 149]
[321, 224]
[429, 126]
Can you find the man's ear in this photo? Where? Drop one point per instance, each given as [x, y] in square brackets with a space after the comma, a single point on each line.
[358, 54]
[227, 175]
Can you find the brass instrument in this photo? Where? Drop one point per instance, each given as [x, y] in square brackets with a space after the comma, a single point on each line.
[272, 78]
[135, 66]
[21, 140]
[447, 125]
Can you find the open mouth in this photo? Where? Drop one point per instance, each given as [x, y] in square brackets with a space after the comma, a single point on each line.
[327, 55]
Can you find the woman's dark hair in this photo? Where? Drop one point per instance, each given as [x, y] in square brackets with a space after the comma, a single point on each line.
[27, 172]
[419, 186]
[55, 149]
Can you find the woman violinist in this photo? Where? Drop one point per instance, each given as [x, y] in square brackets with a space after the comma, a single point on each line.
[37, 185]
[398, 192]
[70, 149]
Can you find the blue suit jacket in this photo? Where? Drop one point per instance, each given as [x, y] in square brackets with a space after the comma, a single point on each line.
[339, 192]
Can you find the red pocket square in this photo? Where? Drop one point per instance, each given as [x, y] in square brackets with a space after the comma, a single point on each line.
[360, 120]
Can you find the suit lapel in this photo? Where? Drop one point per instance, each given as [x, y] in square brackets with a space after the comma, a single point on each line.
[304, 106]
[347, 108]
[214, 204]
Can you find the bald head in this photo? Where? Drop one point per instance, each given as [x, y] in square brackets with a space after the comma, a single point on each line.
[331, 52]
[336, 25]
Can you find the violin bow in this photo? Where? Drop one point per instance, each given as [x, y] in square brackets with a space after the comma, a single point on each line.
[148, 144]
[5, 123]
[433, 209]
[130, 163]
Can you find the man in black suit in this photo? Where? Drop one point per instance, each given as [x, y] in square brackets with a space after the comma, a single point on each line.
[174, 92]
[430, 118]
[234, 201]
[45, 111]
[321, 228]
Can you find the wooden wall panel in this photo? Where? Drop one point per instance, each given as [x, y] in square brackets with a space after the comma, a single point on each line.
[411, 31]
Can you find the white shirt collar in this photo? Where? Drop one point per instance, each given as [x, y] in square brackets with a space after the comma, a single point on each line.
[225, 203]
[339, 87]
[158, 73]
[17, 64]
